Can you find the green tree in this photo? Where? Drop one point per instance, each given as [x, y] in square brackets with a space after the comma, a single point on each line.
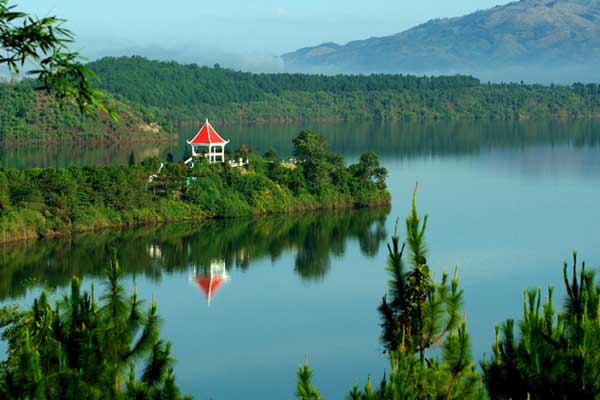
[369, 170]
[556, 354]
[311, 150]
[131, 160]
[81, 349]
[44, 43]
[423, 330]
[304, 388]
[270, 155]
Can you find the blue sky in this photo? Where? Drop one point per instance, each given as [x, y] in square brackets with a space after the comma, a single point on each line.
[243, 34]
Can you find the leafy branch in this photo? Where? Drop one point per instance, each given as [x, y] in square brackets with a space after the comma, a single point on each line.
[44, 44]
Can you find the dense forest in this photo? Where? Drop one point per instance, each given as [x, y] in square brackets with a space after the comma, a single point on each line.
[189, 92]
[144, 81]
[28, 115]
[153, 96]
[55, 202]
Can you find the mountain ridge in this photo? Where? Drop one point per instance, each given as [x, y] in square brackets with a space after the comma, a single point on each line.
[517, 36]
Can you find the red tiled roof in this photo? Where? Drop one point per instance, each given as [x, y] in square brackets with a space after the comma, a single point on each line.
[207, 135]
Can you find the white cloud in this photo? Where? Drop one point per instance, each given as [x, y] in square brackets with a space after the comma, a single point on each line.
[281, 12]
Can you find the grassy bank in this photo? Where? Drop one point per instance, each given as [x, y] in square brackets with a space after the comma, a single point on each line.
[57, 202]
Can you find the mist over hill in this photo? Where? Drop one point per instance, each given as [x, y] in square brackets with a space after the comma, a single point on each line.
[532, 40]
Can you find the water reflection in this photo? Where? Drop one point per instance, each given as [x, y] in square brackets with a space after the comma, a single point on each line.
[207, 249]
[405, 139]
[210, 279]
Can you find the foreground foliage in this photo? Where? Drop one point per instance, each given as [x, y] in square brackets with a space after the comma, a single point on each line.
[44, 43]
[50, 202]
[423, 329]
[81, 348]
[555, 355]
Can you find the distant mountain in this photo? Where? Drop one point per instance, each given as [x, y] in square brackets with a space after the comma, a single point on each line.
[535, 40]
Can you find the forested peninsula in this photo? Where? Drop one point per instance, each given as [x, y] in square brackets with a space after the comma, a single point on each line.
[154, 97]
[38, 203]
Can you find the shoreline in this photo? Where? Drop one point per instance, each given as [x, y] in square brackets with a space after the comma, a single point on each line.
[99, 142]
[174, 136]
[60, 235]
[282, 121]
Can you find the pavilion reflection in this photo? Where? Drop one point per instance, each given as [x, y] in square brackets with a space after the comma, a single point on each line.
[210, 279]
[206, 249]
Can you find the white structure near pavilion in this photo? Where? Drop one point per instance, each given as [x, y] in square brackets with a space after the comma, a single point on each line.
[208, 138]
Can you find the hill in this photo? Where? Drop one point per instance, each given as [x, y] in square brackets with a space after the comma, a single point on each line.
[535, 40]
[27, 115]
[153, 96]
[175, 92]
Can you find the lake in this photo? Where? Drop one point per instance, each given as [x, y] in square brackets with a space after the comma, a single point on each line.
[243, 301]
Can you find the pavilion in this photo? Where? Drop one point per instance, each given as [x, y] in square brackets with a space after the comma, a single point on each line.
[207, 137]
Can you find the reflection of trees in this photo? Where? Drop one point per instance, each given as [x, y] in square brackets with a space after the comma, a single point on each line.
[370, 239]
[327, 236]
[153, 251]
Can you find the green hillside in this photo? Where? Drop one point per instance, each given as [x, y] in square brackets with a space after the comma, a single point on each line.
[154, 96]
[189, 92]
[27, 115]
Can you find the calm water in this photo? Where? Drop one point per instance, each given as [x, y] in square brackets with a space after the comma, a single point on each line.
[508, 202]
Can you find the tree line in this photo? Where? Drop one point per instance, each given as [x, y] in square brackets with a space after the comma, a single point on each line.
[145, 93]
[188, 92]
[163, 83]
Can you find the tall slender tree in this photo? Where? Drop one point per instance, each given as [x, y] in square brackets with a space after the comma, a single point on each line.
[419, 316]
[304, 388]
[423, 328]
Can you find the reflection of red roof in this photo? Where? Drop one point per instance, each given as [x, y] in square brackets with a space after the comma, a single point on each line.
[209, 286]
[207, 135]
